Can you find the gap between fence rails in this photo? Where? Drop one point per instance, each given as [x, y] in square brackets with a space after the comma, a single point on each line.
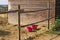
[37, 22]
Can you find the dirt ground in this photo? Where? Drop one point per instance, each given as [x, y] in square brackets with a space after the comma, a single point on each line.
[10, 32]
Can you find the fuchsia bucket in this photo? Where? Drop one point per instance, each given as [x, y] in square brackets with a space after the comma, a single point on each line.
[31, 28]
[34, 27]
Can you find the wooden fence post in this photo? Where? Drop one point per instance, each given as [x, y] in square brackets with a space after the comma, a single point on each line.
[49, 16]
[19, 21]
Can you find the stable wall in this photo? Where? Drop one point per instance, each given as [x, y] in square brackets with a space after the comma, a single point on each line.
[30, 5]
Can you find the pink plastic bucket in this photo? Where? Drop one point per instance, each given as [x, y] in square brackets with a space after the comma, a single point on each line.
[31, 28]
[34, 27]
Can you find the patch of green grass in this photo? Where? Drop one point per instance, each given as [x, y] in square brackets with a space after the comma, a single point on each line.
[56, 26]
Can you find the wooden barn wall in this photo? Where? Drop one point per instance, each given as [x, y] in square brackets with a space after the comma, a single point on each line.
[31, 5]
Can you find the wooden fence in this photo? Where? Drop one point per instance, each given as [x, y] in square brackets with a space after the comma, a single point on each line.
[20, 12]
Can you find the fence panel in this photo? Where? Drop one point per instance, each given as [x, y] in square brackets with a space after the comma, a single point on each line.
[40, 17]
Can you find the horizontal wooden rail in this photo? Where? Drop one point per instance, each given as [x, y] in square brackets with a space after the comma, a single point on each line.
[35, 11]
[37, 22]
[13, 11]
